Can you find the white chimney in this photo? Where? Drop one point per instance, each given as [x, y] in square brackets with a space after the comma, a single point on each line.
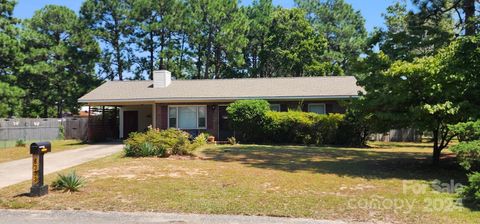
[161, 78]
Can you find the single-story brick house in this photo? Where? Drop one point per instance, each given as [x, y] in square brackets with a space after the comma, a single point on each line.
[200, 105]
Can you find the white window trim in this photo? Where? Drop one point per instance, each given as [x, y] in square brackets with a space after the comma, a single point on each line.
[317, 104]
[177, 118]
[276, 104]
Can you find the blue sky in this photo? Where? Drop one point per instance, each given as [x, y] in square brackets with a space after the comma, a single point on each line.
[371, 9]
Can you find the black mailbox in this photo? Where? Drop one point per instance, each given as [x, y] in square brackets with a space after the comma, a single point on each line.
[38, 149]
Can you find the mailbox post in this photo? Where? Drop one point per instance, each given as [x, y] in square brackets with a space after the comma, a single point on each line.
[38, 149]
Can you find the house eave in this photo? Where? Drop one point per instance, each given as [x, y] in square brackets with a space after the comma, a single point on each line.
[208, 99]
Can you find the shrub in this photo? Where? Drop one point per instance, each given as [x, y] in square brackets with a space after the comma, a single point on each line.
[471, 192]
[468, 154]
[353, 130]
[232, 140]
[200, 140]
[247, 117]
[301, 127]
[70, 182]
[61, 132]
[161, 143]
[466, 131]
[20, 143]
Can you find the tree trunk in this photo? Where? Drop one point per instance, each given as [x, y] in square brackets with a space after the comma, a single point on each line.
[162, 46]
[152, 57]
[118, 58]
[469, 10]
[436, 148]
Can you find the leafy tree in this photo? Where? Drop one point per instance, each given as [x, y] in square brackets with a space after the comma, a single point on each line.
[342, 26]
[466, 11]
[10, 100]
[109, 19]
[260, 19]
[410, 34]
[60, 59]
[292, 47]
[158, 25]
[10, 47]
[216, 36]
[429, 94]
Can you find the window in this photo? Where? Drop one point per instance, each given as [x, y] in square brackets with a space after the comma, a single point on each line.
[318, 108]
[275, 107]
[187, 117]
[172, 117]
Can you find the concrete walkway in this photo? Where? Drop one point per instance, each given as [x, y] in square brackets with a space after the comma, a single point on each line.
[17, 171]
[81, 217]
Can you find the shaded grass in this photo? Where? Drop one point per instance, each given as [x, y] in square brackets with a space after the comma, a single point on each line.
[14, 153]
[291, 181]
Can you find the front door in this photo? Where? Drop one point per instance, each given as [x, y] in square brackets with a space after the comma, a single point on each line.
[224, 127]
[130, 122]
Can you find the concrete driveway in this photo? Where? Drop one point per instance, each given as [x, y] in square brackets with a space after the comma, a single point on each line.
[81, 217]
[17, 171]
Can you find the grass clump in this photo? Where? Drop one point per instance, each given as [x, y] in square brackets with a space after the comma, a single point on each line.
[70, 182]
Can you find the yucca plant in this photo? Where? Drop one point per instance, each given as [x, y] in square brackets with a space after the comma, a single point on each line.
[70, 182]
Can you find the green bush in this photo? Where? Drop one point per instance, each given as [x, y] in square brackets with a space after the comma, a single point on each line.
[20, 143]
[70, 182]
[471, 192]
[248, 117]
[468, 154]
[162, 143]
[466, 131]
[301, 127]
[200, 140]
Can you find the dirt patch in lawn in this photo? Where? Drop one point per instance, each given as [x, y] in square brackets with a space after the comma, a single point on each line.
[138, 170]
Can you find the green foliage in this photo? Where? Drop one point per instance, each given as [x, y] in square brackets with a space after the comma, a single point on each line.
[70, 182]
[301, 127]
[216, 34]
[61, 132]
[471, 192]
[232, 140]
[10, 100]
[161, 143]
[468, 154]
[428, 94]
[410, 35]
[293, 48]
[11, 55]
[60, 61]
[200, 140]
[248, 117]
[356, 126]
[158, 31]
[343, 27]
[20, 143]
[466, 131]
[110, 22]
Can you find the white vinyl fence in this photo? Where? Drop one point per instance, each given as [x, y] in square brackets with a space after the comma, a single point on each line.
[40, 129]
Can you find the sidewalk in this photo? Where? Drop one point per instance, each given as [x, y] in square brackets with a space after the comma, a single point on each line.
[17, 171]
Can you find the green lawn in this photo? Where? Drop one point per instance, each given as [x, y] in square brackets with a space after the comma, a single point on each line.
[292, 181]
[14, 153]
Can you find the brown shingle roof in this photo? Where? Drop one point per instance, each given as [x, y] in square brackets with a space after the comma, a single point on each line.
[226, 89]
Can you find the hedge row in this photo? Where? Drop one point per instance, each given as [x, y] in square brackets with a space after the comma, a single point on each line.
[255, 122]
